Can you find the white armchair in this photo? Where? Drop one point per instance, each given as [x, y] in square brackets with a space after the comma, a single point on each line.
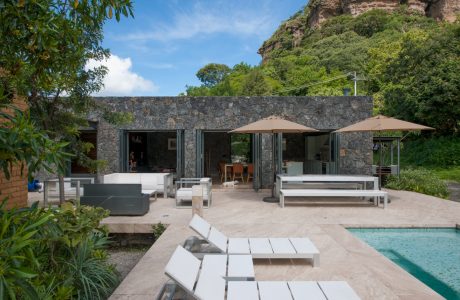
[184, 191]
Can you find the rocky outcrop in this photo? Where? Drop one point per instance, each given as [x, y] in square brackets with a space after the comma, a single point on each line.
[290, 33]
[444, 9]
[321, 10]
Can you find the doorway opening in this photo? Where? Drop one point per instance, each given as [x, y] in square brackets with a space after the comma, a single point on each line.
[310, 153]
[151, 151]
[221, 151]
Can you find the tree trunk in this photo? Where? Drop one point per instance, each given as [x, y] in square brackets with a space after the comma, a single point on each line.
[61, 190]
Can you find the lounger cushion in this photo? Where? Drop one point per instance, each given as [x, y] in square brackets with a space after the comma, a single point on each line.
[210, 286]
[215, 263]
[238, 246]
[274, 290]
[260, 245]
[200, 225]
[183, 267]
[338, 290]
[282, 245]
[300, 290]
[303, 245]
[238, 290]
[218, 239]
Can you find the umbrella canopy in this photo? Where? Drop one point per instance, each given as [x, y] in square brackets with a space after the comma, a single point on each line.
[383, 123]
[273, 124]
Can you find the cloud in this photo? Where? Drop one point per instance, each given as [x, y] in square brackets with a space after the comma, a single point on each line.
[120, 79]
[200, 20]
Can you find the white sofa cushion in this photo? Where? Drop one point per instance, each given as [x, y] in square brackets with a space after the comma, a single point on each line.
[149, 181]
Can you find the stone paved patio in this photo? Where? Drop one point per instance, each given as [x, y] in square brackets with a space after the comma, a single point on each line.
[343, 257]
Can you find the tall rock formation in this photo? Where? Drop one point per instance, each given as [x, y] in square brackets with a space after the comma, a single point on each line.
[321, 10]
[290, 33]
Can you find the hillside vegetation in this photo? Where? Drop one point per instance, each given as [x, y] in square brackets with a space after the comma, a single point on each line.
[410, 65]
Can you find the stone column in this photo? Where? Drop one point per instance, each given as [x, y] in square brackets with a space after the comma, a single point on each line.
[190, 152]
[197, 200]
[267, 168]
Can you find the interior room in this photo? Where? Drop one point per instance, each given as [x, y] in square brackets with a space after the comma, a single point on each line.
[152, 151]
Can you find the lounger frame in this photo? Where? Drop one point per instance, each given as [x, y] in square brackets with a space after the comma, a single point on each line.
[264, 248]
[205, 284]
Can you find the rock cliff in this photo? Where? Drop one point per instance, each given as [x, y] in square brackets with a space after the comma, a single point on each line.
[290, 33]
[321, 10]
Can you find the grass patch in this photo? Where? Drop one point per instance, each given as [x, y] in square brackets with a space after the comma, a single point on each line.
[451, 174]
[419, 180]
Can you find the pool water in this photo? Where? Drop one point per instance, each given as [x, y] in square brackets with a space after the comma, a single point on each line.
[430, 254]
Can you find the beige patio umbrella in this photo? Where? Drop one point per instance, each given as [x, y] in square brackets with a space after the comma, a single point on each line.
[273, 124]
[382, 123]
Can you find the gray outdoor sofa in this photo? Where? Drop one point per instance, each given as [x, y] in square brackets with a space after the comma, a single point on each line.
[120, 199]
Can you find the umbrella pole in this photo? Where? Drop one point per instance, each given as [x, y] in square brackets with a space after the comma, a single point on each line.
[380, 168]
[272, 198]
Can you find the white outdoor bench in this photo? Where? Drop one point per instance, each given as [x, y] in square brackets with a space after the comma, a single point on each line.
[333, 193]
[331, 181]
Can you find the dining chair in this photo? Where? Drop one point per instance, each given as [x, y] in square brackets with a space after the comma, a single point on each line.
[250, 172]
[237, 172]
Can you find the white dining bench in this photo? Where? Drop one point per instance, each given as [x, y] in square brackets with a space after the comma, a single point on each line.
[333, 193]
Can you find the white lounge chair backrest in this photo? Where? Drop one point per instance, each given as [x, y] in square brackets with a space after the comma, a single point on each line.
[183, 267]
[200, 226]
[218, 239]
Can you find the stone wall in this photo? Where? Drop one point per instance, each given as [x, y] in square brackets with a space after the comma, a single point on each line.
[226, 113]
[15, 188]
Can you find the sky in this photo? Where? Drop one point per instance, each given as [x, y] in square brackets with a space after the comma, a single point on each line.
[159, 51]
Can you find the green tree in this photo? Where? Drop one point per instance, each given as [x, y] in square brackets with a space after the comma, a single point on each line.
[22, 144]
[424, 80]
[255, 84]
[212, 74]
[46, 45]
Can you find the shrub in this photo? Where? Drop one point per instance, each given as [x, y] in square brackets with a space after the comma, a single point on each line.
[158, 230]
[420, 181]
[439, 152]
[54, 254]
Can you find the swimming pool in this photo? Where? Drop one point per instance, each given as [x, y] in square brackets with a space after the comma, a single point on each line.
[430, 254]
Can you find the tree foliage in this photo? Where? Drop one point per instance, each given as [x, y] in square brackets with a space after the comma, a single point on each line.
[22, 144]
[212, 74]
[46, 45]
[410, 65]
[427, 73]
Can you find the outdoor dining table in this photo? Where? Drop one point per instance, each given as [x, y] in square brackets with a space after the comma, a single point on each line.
[326, 179]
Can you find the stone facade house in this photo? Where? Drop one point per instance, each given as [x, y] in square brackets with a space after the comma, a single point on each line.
[189, 135]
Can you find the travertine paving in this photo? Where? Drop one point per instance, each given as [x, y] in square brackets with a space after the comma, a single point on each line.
[343, 257]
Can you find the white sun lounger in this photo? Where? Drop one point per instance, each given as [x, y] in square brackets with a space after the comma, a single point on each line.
[207, 284]
[271, 248]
